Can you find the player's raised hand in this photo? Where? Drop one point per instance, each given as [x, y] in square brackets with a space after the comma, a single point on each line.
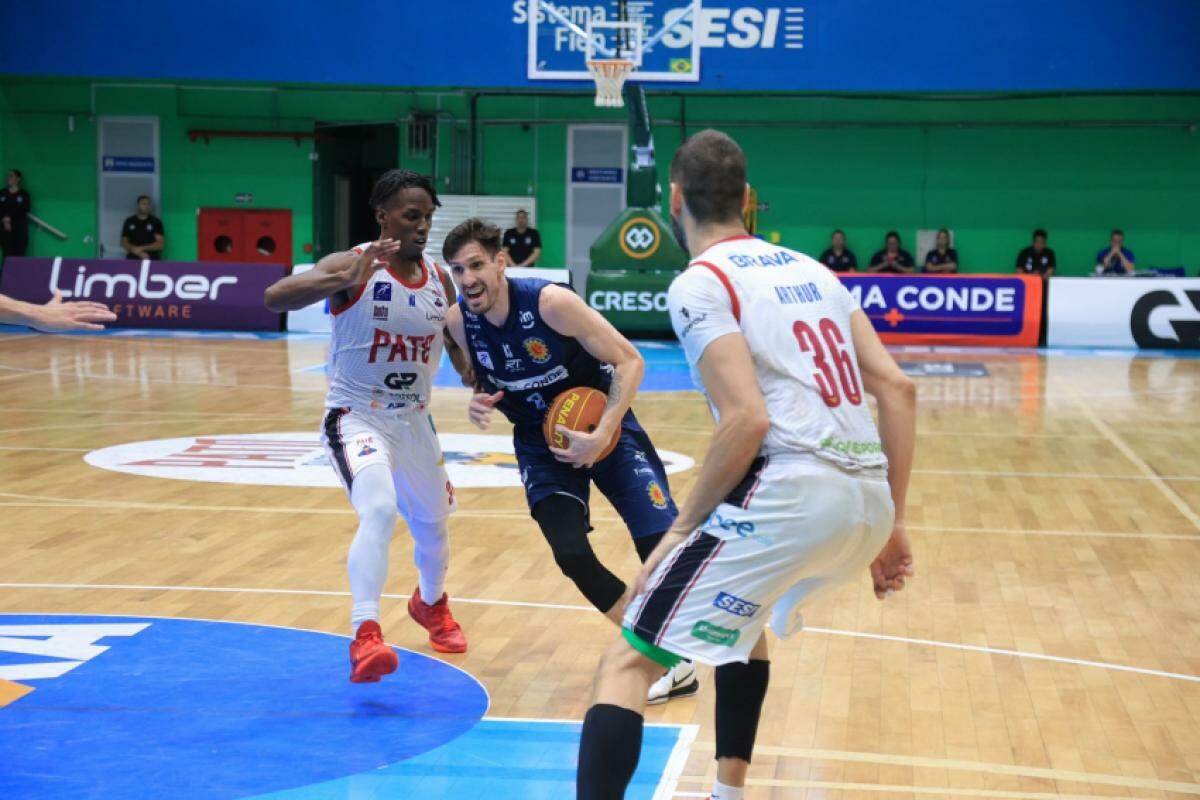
[56, 315]
[894, 564]
[582, 448]
[370, 261]
[481, 407]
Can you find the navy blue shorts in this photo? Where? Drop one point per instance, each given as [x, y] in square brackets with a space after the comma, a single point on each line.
[632, 477]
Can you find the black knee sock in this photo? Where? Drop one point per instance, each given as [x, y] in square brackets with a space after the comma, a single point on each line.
[740, 692]
[645, 544]
[609, 747]
[564, 523]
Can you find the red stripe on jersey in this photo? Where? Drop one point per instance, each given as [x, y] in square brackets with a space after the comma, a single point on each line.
[733, 300]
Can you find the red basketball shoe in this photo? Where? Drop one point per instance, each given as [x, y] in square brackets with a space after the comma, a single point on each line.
[370, 657]
[445, 635]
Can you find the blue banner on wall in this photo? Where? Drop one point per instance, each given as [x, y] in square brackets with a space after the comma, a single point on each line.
[959, 309]
[127, 164]
[846, 45]
[596, 174]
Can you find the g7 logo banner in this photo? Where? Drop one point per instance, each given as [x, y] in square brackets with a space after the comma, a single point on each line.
[1187, 331]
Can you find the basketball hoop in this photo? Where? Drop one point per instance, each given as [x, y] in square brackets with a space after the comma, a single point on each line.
[610, 75]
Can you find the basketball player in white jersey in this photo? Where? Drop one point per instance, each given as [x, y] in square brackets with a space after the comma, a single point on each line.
[799, 491]
[389, 307]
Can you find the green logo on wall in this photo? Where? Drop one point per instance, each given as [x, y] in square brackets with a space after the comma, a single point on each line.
[715, 634]
[638, 237]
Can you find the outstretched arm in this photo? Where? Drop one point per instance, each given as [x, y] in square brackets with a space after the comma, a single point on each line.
[727, 369]
[55, 315]
[336, 272]
[567, 314]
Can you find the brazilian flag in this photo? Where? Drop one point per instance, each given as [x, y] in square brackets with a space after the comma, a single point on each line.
[681, 65]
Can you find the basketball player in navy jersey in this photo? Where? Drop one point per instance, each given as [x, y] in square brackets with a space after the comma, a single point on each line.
[528, 340]
[389, 303]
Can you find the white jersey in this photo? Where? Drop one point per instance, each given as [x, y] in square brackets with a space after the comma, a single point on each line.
[795, 315]
[387, 341]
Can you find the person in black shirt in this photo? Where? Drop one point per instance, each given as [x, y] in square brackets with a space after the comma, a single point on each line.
[15, 205]
[892, 258]
[942, 258]
[1037, 259]
[836, 256]
[142, 234]
[523, 244]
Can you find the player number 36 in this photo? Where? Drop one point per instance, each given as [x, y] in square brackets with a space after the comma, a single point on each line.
[847, 371]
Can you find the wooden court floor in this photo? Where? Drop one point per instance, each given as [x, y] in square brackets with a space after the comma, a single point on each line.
[1049, 646]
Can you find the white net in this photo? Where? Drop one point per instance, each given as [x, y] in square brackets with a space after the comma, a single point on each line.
[610, 75]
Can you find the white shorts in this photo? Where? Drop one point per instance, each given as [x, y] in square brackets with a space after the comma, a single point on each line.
[407, 444]
[792, 529]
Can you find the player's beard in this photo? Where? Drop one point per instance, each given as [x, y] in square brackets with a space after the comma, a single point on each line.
[678, 232]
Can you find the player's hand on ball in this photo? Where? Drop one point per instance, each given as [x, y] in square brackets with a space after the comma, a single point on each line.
[894, 564]
[56, 315]
[583, 449]
[481, 407]
[365, 265]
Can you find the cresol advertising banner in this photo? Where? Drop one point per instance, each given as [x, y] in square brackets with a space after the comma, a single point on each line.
[1148, 313]
[153, 294]
[999, 310]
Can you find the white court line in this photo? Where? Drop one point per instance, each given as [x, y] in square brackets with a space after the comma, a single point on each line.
[568, 607]
[64, 503]
[50, 449]
[1180, 537]
[1172, 496]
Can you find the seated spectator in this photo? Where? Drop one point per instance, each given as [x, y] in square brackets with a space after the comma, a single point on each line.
[836, 256]
[1115, 259]
[892, 258]
[1037, 258]
[942, 258]
[142, 234]
[522, 243]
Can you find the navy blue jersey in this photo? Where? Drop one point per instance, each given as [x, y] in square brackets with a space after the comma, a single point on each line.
[527, 358]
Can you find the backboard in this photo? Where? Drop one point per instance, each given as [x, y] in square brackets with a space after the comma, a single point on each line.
[657, 35]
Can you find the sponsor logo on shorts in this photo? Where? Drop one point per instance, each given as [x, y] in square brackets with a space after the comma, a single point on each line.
[381, 312]
[736, 605]
[657, 496]
[537, 349]
[367, 449]
[741, 528]
[849, 447]
[715, 634]
[383, 291]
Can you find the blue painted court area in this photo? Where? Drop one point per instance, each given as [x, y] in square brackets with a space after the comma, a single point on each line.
[136, 707]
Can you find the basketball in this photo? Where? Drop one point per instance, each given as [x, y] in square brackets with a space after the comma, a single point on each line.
[579, 409]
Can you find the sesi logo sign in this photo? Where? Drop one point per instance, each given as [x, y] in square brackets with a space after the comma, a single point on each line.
[742, 28]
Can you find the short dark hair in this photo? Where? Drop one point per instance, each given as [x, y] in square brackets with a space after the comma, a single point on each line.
[836, 231]
[891, 234]
[142, 197]
[1116, 232]
[522, 211]
[710, 169]
[474, 229]
[1041, 233]
[945, 231]
[397, 180]
[17, 172]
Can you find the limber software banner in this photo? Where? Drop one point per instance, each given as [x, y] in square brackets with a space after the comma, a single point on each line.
[1149, 313]
[153, 294]
[999, 310]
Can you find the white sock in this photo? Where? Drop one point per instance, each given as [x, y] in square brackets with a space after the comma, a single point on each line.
[722, 792]
[374, 499]
[431, 554]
